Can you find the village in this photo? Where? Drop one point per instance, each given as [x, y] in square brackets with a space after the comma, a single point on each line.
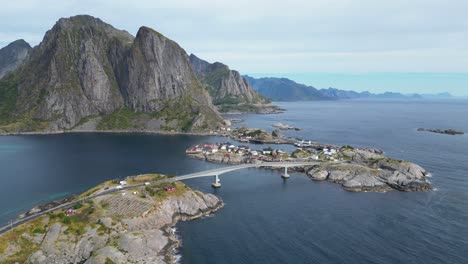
[237, 154]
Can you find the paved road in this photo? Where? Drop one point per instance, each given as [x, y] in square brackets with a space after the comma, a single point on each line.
[178, 178]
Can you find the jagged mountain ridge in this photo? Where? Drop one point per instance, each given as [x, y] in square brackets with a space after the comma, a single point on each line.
[227, 87]
[283, 89]
[86, 68]
[13, 55]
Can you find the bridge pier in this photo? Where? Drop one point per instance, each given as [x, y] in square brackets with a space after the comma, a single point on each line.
[285, 175]
[216, 183]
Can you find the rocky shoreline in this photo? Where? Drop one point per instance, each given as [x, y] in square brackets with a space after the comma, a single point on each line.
[266, 110]
[157, 132]
[134, 225]
[442, 131]
[357, 170]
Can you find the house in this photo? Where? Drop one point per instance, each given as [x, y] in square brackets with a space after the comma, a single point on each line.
[267, 151]
[254, 153]
[70, 212]
[170, 189]
[123, 183]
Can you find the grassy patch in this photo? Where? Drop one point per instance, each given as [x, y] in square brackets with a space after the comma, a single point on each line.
[15, 237]
[121, 119]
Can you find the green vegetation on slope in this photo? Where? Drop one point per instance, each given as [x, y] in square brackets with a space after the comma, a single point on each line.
[8, 95]
[121, 119]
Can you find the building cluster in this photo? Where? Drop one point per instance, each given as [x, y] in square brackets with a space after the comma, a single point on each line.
[243, 150]
[211, 148]
[221, 130]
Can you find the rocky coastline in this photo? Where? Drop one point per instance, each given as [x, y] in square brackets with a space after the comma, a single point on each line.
[158, 132]
[442, 131]
[357, 170]
[133, 225]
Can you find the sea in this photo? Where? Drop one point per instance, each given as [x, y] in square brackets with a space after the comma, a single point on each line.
[267, 219]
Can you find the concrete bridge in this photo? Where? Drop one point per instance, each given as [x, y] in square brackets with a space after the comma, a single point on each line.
[216, 172]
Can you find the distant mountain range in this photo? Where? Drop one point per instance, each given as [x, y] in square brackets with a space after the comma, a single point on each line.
[283, 89]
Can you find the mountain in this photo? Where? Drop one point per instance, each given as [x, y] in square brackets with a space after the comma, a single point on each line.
[13, 55]
[229, 90]
[283, 89]
[87, 75]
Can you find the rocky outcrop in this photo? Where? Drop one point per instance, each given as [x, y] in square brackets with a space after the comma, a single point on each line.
[86, 68]
[114, 228]
[443, 131]
[276, 134]
[230, 91]
[13, 55]
[368, 170]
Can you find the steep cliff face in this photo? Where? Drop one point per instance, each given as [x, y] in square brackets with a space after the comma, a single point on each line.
[227, 87]
[13, 55]
[157, 70]
[86, 68]
[70, 74]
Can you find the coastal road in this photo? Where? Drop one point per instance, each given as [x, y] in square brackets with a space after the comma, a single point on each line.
[207, 173]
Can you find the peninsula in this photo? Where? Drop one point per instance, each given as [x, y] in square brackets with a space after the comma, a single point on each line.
[132, 225]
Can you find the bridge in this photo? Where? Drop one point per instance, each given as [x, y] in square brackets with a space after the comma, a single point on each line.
[216, 172]
[213, 173]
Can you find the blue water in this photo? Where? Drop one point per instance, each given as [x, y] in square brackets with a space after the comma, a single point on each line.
[266, 219]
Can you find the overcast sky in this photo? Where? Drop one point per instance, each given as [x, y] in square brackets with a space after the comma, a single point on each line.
[366, 38]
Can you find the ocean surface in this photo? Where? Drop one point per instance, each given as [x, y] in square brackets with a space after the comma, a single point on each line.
[267, 219]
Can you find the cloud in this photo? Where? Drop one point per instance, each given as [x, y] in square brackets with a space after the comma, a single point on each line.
[279, 36]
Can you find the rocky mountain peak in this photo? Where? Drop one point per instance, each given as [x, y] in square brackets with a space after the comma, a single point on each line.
[86, 68]
[13, 55]
[225, 85]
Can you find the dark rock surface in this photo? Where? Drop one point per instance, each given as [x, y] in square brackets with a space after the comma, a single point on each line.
[230, 91]
[13, 55]
[443, 131]
[85, 68]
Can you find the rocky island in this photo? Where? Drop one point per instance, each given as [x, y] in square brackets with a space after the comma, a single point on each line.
[443, 131]
[356, 169]
[285, 126]
[127, 226]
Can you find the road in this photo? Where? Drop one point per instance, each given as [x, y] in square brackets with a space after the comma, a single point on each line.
[207, 173]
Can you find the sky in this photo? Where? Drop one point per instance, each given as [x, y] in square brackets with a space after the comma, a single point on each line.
[376, 45]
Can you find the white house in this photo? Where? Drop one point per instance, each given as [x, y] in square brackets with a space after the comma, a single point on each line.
[123, 183]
